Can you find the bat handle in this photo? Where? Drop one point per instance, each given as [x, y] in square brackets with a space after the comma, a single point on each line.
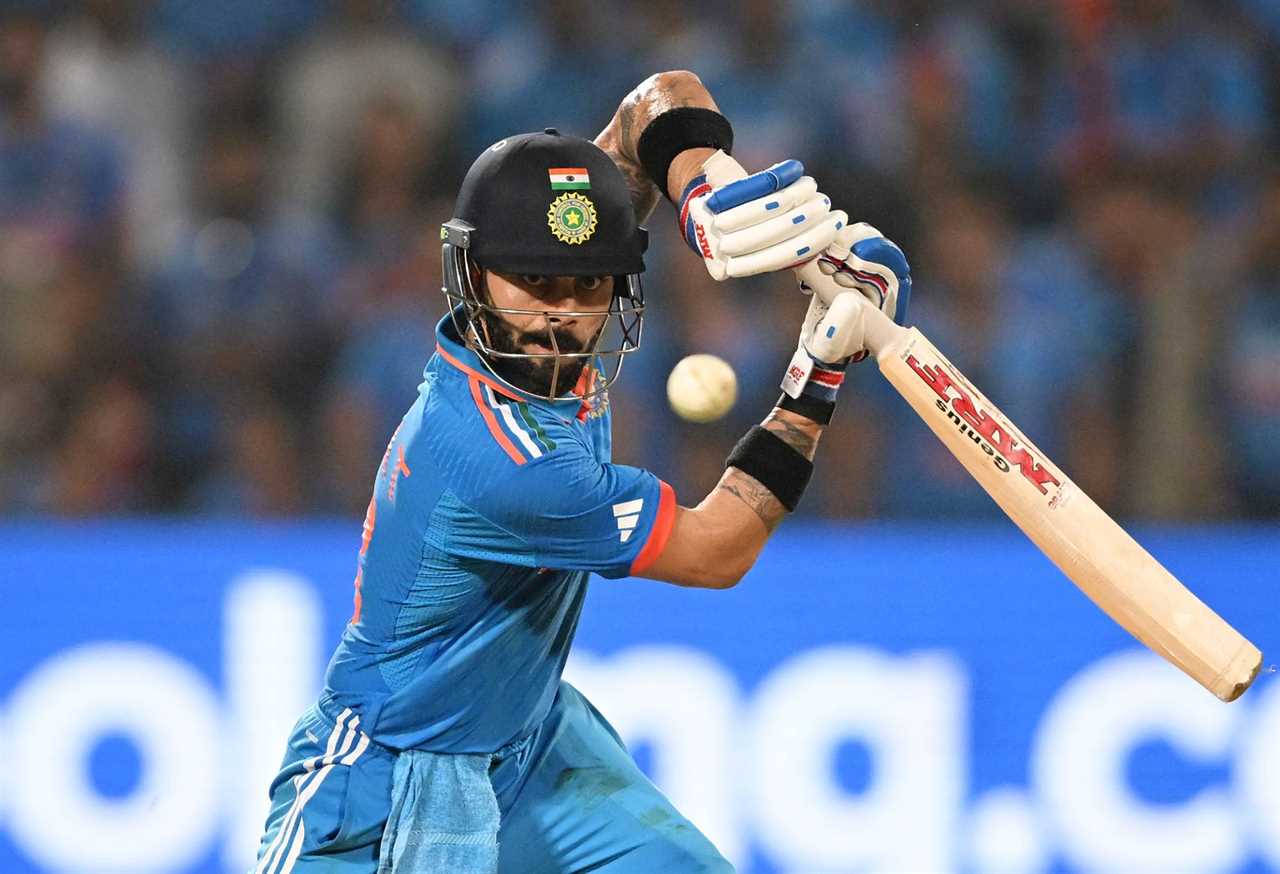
[879, 332]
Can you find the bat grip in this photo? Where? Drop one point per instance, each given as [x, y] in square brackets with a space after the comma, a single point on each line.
[878, 330]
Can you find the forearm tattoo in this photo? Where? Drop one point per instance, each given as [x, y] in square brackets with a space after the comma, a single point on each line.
[799, 433]
[747, 489]
[621, 138]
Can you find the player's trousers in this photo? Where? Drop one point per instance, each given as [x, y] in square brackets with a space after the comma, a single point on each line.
[569, 799]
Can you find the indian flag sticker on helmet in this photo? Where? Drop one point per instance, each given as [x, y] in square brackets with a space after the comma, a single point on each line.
[572, 218]
[569, 179]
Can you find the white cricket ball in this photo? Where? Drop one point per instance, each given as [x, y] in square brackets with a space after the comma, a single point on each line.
[702, 388]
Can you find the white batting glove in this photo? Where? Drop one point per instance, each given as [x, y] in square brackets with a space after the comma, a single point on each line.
[874, 270]
[767, 221]
[863, 260]
[830, 338]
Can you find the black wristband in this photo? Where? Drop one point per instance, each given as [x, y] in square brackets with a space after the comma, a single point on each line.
[814, 409]
[773, 463]
[685, 127]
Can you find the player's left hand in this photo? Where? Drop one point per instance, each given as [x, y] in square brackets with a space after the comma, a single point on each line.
[767, 221]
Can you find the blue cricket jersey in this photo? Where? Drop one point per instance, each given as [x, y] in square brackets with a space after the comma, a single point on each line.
[489, 512]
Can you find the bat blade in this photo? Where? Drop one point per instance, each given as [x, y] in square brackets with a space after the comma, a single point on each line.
[1094, 552]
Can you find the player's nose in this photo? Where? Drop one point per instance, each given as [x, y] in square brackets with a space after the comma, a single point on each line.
[566, 293]
[564, 327]
[560, 311]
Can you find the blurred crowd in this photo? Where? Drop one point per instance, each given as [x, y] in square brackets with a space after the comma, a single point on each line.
[219, 255]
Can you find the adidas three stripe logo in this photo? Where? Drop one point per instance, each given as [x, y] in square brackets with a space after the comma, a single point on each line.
[628, 514]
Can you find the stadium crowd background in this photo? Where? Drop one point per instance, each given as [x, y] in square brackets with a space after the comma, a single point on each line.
[219, 257]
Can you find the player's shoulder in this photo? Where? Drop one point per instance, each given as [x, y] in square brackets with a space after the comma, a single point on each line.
[525, 467]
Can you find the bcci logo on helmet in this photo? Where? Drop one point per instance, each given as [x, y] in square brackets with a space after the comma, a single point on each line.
[572, 218]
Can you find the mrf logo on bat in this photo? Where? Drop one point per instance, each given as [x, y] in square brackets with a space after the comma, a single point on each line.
[993, 437]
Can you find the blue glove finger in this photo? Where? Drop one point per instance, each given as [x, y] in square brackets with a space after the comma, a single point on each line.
[904, 299]
[755, 186]
[885, 252]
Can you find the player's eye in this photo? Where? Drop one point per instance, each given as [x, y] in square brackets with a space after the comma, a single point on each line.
[590, 283]
[533, 279]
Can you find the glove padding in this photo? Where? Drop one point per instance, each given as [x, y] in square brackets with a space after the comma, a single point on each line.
[862, 258]
[767, 221]
[874, 270]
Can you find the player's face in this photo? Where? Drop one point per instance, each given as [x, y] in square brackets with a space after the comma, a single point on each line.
[575, 308]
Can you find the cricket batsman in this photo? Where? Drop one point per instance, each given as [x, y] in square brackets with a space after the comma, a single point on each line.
[445, 739]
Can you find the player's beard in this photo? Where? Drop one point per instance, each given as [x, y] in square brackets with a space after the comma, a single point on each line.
[531, 374]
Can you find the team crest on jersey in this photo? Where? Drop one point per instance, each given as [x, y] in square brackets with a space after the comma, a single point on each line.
[572, 217]
[595, 408]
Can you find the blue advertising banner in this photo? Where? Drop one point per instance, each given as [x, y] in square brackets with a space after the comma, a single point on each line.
[871, 698]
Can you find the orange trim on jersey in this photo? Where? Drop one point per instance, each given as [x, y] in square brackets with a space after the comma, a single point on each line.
[366, 535]
[660, 533]
[487, 414]
[586, 382]
[475, 374]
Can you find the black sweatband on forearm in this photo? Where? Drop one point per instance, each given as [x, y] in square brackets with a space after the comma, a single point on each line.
[773, 463]
[674, 131]
[813, 409]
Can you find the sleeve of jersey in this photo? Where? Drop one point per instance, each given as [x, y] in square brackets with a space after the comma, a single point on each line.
[567, 511]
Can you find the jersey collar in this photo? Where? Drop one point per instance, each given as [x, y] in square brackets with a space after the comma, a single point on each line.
[459, 356]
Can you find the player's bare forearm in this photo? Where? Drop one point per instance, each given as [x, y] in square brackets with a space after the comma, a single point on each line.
[800, 434]
[755, 496]
[715, 543]
[621, 138]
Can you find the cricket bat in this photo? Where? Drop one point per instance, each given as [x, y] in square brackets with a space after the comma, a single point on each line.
[1086, 544]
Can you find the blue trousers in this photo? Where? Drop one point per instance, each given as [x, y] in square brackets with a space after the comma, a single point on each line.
[570, 799]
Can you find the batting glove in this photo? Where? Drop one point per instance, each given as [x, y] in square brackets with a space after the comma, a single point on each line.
[874, 270]
[767, 221]
[863, 260]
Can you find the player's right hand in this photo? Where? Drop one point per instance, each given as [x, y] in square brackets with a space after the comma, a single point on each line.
[830, 339]
[864, 261]
[860, 269]
[767, 221]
